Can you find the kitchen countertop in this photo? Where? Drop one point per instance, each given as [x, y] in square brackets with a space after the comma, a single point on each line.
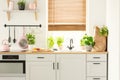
[51, 52]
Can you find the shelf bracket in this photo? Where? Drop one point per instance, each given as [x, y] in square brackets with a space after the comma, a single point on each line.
[35, 15]
[8, 15]
[8, 2]
[35, 1]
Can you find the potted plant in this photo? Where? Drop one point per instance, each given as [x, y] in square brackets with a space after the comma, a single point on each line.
[21, 4]
[50, 42]
[60, 41]
[87, 42]
[31, 40]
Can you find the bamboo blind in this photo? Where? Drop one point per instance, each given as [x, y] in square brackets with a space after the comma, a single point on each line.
[67, 11]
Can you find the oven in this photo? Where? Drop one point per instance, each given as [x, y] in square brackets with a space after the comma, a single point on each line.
[12, 65]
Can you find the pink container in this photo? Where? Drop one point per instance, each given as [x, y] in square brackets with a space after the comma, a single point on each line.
[32, 6]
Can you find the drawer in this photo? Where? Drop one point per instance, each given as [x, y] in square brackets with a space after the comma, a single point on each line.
[96, 68]
[96, 78]
[40, 57]
[96, 57]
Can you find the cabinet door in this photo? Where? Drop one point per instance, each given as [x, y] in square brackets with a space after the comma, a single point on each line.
[71, 67]
[96, 69]
[40, 71]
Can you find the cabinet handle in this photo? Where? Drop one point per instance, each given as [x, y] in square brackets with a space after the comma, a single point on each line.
[57, 65]
[96, 57]
[96, 78]
[96, 63]
[53, 66]
[40, 57]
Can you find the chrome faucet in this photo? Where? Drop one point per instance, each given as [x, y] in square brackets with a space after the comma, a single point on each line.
[71, 45]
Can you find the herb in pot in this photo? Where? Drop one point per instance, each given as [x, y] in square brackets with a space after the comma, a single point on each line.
[30, 38]
[60, 41]
[50, 42]
[21, 4]
[87, 42]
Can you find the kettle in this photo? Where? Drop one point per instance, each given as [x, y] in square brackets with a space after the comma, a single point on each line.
[5, 45]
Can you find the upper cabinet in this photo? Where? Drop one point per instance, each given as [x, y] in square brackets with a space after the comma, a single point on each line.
[13, 4]
[67, 14]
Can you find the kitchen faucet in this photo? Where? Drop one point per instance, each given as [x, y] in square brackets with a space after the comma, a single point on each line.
[71, 45]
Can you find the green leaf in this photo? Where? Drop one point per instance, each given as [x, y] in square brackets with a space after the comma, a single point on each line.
[87, 40]
[30, 38]
[50, 42]
[60, 41]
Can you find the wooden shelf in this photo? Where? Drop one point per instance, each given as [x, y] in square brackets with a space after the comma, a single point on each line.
[8, 12]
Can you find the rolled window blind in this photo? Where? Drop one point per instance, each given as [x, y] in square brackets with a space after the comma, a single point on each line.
[67, 11]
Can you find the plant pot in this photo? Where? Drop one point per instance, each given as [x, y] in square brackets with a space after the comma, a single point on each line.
[88, 48]
[60, 47]
[21, 7]
[30, 47]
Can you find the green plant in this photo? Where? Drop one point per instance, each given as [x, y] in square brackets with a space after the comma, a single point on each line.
[60, 41]
[50, 42]
[21, 2]
[87, 40]
[104, 31]
[30, 38]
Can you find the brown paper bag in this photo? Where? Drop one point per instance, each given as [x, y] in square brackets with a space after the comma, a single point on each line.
[100, 41]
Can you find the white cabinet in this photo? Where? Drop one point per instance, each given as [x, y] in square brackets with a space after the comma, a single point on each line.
[40, 67]
[71, 67]
[96, 66]
[56, 67]
[96, 69]
[66, 67]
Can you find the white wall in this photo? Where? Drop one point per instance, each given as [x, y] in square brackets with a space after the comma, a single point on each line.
[96, 14]
[25, 18]
[113, 22]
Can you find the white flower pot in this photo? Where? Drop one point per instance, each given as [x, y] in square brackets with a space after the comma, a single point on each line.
[30, 47]
[88, 48]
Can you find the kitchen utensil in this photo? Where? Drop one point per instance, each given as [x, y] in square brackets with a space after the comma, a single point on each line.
[5, 45]
[9, 38]
[14, 40]
[23, 41]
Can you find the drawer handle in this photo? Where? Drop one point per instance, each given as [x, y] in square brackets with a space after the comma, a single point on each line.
[96, 57]
[96, 78]
[53, 66]
[96, 63]
[40, 57]
[57, 65]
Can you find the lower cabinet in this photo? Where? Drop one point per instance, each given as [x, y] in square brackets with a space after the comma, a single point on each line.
[97, 67]
[71, 66]
[40, 67]
[56, 67]
[66, 67]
